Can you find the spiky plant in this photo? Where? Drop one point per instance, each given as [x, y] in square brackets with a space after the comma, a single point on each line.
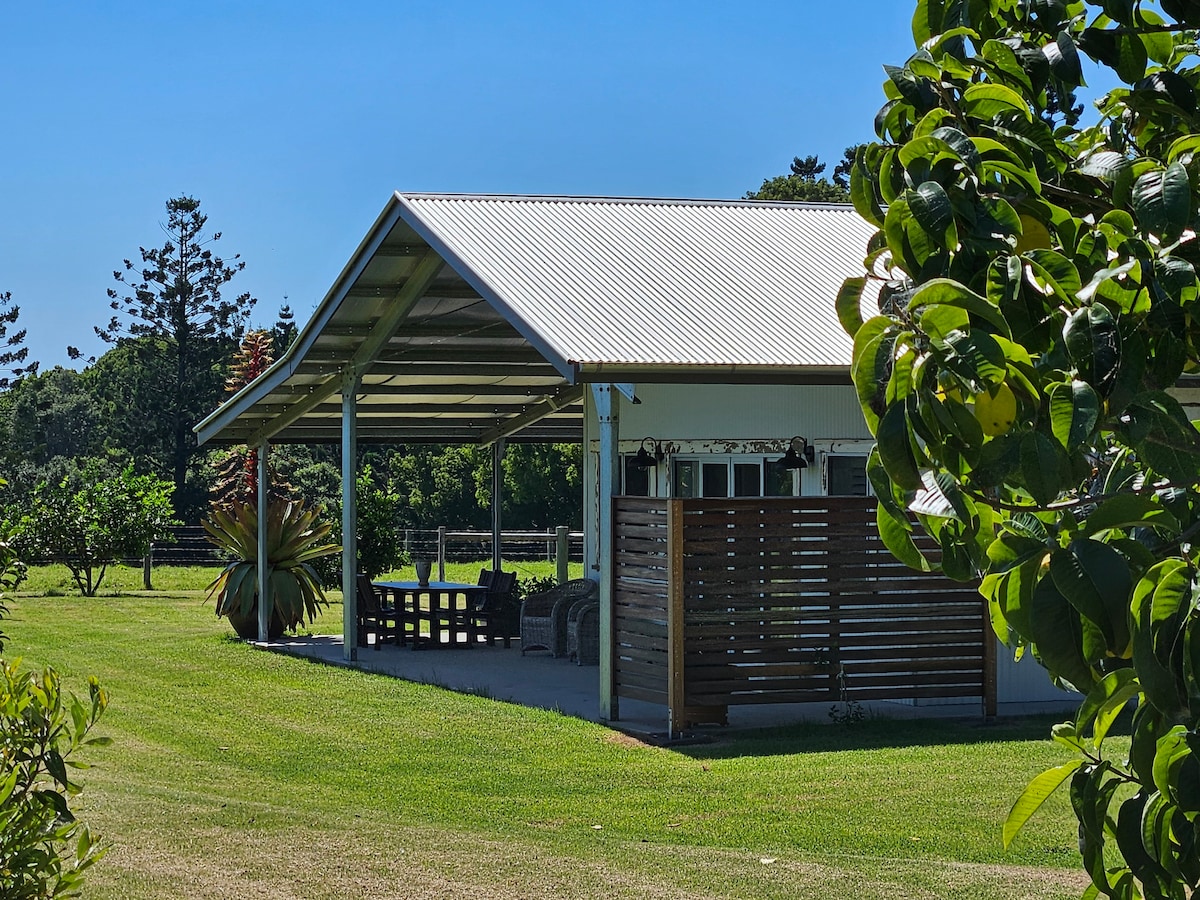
[295, 537]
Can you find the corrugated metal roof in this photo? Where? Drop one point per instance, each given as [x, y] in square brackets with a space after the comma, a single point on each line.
[471, 318]
[609, 282]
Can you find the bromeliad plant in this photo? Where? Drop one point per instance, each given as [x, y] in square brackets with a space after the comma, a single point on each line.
[1038, 304]
[295, 538]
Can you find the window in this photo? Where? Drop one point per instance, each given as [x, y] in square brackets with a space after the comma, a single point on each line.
[847, 476]
[731, 476]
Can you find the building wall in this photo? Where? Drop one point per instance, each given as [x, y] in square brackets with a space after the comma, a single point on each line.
[704, 418]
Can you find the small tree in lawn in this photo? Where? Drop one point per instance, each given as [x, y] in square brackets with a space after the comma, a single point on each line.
[172, 302]
[1038, 301]
[92, 522]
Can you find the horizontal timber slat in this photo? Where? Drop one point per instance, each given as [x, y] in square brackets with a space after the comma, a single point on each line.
[781, 596]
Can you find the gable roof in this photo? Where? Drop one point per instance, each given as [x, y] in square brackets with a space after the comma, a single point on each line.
[468, 317]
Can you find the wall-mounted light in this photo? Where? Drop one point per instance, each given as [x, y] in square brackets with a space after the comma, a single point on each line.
[648, 459]
[799, 454]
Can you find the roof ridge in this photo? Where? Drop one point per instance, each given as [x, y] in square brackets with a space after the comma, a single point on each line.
[635, 201]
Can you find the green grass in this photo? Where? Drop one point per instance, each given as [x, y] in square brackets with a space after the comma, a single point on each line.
[55, 580]
[236, 772]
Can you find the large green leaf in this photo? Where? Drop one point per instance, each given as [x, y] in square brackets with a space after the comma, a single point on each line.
[1129, 511]
[1162, 200]
[947, 292]
[1093, 342]
[1074, 412]
[1096, 580]
[895, 449]
[1157, 428]
[874, 343]
[896, 533]
[1160, 600]
[1057, 633]
[1034, 795]
[1105, 701]
[1052, 270]
[986, 101]
[848, 303]
[1043, 467]
[930, 205]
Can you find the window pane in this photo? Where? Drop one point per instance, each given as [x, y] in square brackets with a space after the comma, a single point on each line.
[684, 483]
[847, 476]
[747, 479]
[716, 480]
[637, 480]
[778, 481]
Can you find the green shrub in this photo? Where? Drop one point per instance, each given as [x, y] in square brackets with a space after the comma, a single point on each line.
[44, 851]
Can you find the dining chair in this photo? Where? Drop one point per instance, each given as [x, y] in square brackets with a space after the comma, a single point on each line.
[374, 615]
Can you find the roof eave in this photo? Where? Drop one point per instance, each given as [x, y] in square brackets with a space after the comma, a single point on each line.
[229, 411]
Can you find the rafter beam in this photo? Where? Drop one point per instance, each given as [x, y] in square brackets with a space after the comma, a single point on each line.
[399, 307]
[294, 412]
[547, 407]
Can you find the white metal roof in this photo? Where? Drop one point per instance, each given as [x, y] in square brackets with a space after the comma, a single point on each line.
[661, 283]
[469, 318]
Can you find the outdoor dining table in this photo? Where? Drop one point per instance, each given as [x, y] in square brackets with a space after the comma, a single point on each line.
[440, 606]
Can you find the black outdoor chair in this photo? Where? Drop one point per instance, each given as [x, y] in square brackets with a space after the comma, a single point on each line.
[374, 615]
[492, 616]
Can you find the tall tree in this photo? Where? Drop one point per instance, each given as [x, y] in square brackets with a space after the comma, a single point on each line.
[14, 355]
[804, 184]
[1040, 301]
[172, 306]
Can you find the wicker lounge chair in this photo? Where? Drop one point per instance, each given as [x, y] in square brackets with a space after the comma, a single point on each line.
[544, 615]
[583, 632]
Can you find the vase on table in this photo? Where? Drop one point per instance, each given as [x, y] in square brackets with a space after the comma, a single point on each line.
[424, 567]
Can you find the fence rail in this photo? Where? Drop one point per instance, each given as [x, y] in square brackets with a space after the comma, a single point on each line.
[782, 600]
[190, 547]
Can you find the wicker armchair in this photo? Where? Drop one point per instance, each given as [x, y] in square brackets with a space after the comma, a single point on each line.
[544, 615]
[583, 632]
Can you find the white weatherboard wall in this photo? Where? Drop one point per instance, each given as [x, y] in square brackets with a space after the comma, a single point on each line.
[743, 412]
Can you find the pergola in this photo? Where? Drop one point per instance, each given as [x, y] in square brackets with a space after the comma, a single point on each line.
[486, 319]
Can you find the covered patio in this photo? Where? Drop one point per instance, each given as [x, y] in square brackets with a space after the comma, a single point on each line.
[491, 319]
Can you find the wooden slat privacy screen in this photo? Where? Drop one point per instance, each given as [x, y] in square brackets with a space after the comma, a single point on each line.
[783, 600]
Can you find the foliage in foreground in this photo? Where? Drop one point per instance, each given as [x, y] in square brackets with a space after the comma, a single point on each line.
[44, 851]
[88, 522]
[1039, 299]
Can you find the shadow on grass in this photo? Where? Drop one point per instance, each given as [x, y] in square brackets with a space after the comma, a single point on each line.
[873, 734]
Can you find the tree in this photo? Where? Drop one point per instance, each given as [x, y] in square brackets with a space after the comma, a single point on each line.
[802, 184]
[284, 332]
[1038, 294]
[14, 356]
[90, 522]
[172, 308]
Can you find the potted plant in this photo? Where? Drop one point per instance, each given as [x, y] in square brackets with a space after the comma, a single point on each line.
[295, 538]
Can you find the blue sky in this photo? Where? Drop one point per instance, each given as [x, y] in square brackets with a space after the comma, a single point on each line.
[292, 122]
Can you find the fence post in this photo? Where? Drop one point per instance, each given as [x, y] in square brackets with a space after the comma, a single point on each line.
[562, 551]
[675, 644]
[408, 543]
[146, 563]
[989, 665]
[441, 553]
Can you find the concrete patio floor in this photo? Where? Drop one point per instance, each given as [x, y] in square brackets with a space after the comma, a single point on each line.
[540, 681]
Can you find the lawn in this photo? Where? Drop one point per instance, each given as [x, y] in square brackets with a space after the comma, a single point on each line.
[236, 772]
